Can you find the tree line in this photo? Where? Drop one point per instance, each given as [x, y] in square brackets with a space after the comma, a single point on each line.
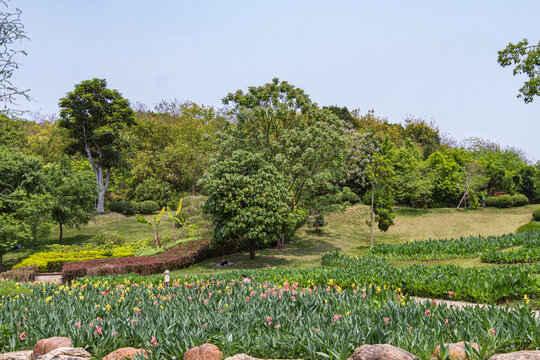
[266, 159]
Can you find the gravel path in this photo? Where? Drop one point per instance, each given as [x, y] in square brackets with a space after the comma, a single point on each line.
[49, 277]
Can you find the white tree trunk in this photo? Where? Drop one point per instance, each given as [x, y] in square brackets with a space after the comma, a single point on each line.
[103, 184]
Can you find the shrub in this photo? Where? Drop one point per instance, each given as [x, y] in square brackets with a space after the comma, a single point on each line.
[25, 273]
[503, 201]
[124, 207]
[109, 238]
[536, 214]
[55, 257]
[519, 200]
[183, 256]
[348, 196]
[148, 207]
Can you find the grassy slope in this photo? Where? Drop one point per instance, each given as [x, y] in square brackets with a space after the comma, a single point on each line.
[110, 222]
[347, 232]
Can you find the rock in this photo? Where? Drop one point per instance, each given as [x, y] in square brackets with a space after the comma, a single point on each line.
[45, 346]
[17, 355]
[241, 357]
[519, 355]
[66, 353]
[381, 352]
[456, 351]
[204, 352]
[122, 353]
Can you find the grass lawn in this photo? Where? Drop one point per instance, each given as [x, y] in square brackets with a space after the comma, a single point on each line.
[106, 223]
[347, 232]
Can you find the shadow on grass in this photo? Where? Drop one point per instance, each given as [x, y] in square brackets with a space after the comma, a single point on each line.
[411, 212]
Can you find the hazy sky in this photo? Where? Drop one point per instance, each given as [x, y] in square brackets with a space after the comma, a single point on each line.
[428, 59]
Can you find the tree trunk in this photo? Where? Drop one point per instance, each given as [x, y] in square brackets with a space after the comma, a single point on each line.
[156, 238]
[103, 183]
[251, 249]
[61, 233]
[280, 242]
[371, 222]
[193, 187]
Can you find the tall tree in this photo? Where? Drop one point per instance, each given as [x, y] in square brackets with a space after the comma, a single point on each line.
[11, 33]
[247, 200]
[280, 122]
[379, 175]
[72, 193]
[527, 61]
[94, 117]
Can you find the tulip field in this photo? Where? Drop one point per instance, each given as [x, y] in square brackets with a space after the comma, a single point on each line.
[463, 247]
[272, 316]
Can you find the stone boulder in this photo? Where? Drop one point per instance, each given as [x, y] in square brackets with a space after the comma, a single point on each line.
[241, 357]
[45, 346]
[66, 353]
[204, 352]
[381, 352]
[456, 350]
[122, 353]
[519, 355]
[17, 355]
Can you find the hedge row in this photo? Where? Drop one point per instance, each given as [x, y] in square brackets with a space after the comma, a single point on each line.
[132, 207]
[52, 261]
[506, 201]
[26, 273]
[177, 258]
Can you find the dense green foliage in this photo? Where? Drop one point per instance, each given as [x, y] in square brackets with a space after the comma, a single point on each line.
[247, 201]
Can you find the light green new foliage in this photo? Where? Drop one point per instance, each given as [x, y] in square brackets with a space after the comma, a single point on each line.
[154, 225]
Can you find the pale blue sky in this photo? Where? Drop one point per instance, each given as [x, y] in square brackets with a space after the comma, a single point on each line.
[430, 59]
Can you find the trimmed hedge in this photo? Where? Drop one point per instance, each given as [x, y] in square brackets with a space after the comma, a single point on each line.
[26, 273]
[124, 207]
[183, 256]
[536, 214]
[520, 200]
[52, 261]
[148, 207]
[503, 201]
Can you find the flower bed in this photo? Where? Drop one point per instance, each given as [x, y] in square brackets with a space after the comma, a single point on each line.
[263, 319]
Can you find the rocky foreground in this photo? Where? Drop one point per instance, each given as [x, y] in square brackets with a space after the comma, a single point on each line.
[59, 348]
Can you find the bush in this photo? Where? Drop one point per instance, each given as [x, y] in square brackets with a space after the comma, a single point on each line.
[55, 257]
[504, 201]
[536, 214]
[26, 273]
[148, 207]
[109, 238]
[348, 196]
[124, 207]
[183, 256]
[519, 200]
